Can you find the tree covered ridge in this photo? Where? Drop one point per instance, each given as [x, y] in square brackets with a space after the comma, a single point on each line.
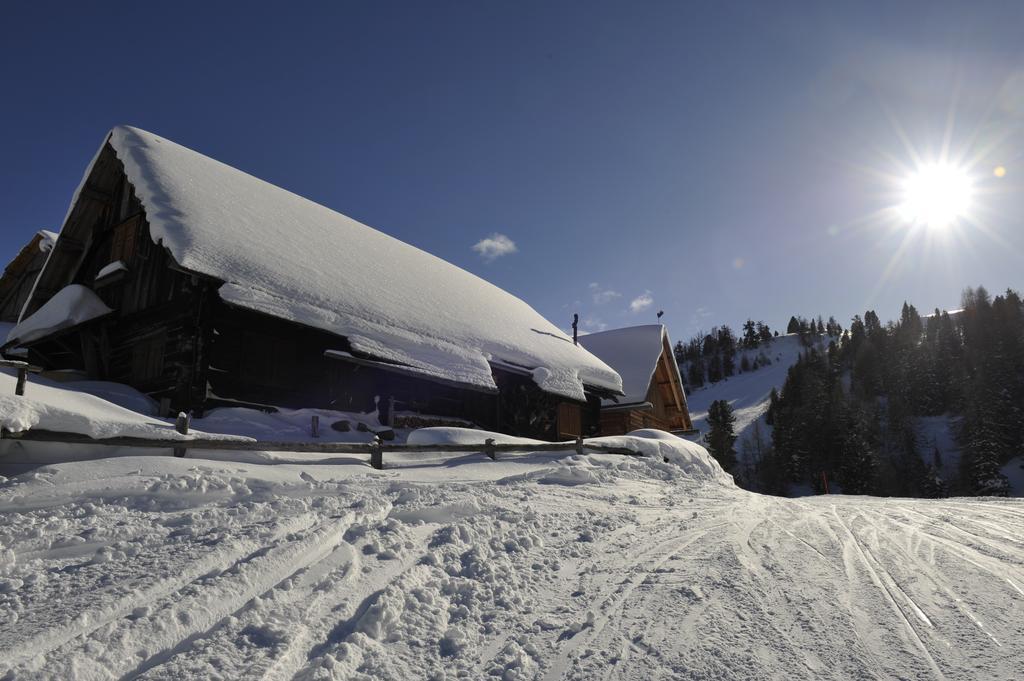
[711, 357]
[847, 411]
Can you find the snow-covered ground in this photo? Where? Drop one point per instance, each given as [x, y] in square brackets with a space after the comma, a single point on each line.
[531, 567]
[442, 566]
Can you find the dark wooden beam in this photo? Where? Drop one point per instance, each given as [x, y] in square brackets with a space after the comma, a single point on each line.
[96, 194]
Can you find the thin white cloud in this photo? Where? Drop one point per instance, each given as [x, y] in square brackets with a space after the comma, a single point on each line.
[698, 316]
[641, 302]
[601, 295]
[495, 246]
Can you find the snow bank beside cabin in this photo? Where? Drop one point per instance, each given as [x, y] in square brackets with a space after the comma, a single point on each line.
[444, 435]
[667, 452]
[72, 305]
[52, 406]
[289, 257]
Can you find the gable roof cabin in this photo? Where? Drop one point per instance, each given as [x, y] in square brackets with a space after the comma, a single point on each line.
[20, 274]
[654, 395]
[205, 285]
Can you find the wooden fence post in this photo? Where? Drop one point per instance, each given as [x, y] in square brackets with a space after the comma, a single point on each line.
[377, 454]
[19, 389]
[181, 425]
[314, 426]
[489, 449]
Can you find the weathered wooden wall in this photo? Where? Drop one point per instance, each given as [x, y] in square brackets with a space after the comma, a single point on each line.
[18, 278]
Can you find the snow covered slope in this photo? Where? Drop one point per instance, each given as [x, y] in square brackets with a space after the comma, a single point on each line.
[532, 567]
[747, 393]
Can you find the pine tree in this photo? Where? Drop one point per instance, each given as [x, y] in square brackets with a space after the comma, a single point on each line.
[721, 437]
[858, 463]
[980, 470]
[750, 335]
[695, 373]
[773, 402]
[744, 364]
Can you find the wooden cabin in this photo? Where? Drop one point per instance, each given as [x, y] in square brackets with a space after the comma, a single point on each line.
[654, 395]
[20, 275]
[203, 286]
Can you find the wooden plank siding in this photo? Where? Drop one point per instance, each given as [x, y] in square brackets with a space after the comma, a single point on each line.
[570, 420]
[18, 278]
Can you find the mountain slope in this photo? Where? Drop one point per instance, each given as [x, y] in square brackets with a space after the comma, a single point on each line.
[748, 392]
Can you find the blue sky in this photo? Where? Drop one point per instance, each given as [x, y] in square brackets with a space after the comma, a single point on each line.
[721, 160]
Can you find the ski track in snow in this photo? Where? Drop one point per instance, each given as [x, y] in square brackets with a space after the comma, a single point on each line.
[636, 574]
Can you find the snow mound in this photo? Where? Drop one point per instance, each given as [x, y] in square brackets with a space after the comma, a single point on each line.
[116, 393]
[684, 458]
[283, 255]
[72, 305]
[694, 461]
[446, 435]
[51, 406]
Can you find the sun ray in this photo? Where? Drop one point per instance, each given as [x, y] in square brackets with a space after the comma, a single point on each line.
[908, 145]
[908, 238]
[947, 135]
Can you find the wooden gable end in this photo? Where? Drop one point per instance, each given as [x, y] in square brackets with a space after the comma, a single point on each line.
[156, 338]
[665, 407]
[18, 279]
[666, 392]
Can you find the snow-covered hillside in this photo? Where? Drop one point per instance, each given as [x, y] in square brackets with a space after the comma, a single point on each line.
[748, 392]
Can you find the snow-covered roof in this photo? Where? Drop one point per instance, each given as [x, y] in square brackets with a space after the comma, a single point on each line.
[633, 352]
[286, 256]
[70, 306]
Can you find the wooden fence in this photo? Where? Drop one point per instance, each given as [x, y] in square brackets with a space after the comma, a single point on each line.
[375, 449]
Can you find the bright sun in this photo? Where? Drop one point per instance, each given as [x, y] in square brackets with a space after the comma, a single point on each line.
[936, 196]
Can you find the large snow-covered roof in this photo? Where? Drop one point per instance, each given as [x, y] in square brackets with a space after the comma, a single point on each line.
[287, 256]
[633, 352]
